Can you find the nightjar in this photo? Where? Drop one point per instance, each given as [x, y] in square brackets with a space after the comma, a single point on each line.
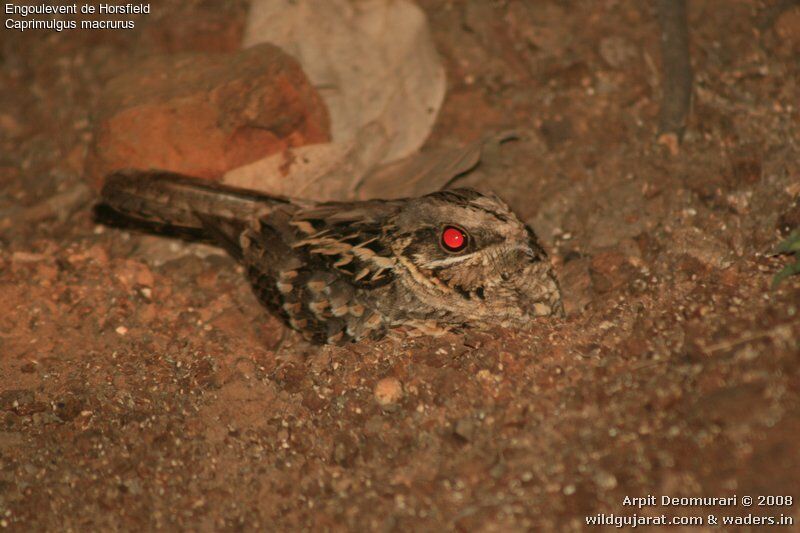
[344, 271]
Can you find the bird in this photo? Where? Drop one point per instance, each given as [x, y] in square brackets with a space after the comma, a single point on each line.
[344, 271]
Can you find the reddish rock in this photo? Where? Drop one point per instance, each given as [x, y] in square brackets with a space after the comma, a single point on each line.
[134, 274]
[388, 391]
[205, 114]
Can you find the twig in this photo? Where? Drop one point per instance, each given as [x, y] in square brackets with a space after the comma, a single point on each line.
[677, 77]
[782, 331]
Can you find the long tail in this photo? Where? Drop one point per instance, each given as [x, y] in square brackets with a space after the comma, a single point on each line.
[171, 203]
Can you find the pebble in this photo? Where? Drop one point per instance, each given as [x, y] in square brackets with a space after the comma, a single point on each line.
[388, 391]
[465, 428]
[605, 480]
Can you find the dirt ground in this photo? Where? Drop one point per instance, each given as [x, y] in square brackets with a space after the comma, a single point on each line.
[141, 384]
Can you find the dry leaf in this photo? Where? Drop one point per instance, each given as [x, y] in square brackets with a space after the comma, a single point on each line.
[425, 172]
[374, 64]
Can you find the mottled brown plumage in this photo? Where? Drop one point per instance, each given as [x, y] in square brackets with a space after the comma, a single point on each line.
[344, 271]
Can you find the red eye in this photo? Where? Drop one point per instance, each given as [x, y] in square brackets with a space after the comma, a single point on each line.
[453, 239]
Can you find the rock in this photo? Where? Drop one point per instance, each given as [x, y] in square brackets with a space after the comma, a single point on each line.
[205, 114]
[465, 429]
[133, 274]
[605, 480]
[388, 391]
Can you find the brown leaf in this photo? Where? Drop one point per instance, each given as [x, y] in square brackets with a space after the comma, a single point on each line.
[425, 172]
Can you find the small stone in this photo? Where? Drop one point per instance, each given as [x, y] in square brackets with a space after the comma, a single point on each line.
[465, 428]
[388, 391]
[605, 480]
[144, 277]
[122, 330]
[135, 274]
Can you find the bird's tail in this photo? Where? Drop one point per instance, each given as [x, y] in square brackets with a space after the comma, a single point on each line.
[167, 202]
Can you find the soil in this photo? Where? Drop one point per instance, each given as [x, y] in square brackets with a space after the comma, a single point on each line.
[143, 387]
